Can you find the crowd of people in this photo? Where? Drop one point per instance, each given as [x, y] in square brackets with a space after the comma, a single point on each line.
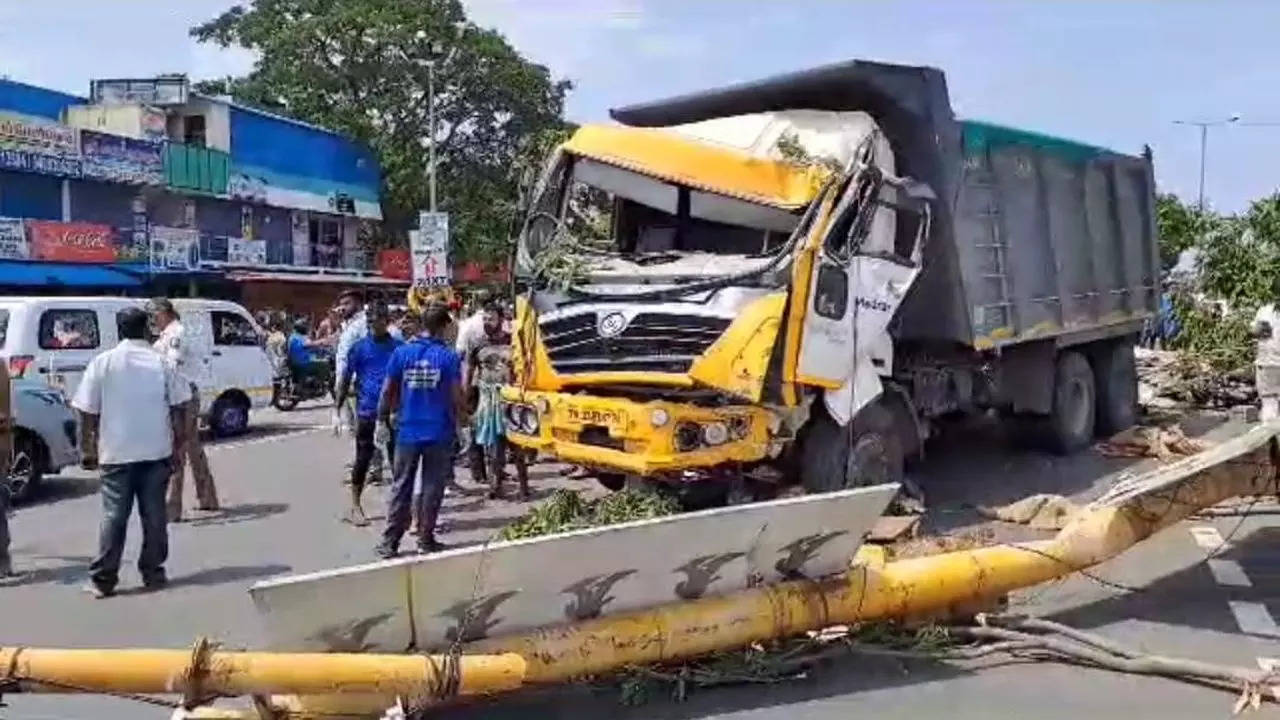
[416, 390]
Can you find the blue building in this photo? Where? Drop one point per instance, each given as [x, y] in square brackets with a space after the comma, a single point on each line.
[189, 192]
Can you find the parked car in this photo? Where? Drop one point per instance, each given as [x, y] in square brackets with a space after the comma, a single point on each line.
[54, 338]
[44, 435]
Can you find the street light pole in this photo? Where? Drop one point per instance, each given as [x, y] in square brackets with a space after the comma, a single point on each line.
[1204, 126]
[431, 137]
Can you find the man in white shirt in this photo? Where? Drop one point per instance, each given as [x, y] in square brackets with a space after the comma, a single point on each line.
[175, 346]
[131, 405]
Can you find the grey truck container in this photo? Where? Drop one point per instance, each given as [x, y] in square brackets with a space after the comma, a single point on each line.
[1033, 237]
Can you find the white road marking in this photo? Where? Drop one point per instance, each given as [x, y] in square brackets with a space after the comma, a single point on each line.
[1228, 572]
[1207, 537]
[1254, 618]
[262, 440]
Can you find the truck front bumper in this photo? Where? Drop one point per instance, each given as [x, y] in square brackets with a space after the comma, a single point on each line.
[642, 438]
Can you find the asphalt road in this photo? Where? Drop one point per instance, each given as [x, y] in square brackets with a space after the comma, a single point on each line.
[282, 500]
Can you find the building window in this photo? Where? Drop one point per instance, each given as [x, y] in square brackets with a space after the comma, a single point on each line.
[326, 242]
[193, 132]
[68, 330]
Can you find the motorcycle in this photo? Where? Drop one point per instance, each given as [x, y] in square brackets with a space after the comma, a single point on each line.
[287, 391]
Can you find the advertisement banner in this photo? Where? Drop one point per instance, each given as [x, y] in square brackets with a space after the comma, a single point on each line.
[430, 249]
[77, 242]
[13, 240]
[174, 248]
[393, 263]
[246, 252]
[121, 159]
[36, 135]
[26, 161]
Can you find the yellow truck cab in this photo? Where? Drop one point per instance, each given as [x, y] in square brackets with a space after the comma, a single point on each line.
[789, 280]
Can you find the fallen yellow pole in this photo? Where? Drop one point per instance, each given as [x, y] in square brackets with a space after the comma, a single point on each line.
[214, 673]
[935, 585]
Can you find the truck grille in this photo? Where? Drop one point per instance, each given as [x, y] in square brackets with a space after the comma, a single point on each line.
[654, 342]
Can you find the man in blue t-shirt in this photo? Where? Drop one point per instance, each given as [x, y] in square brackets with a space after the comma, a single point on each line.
[367, 361]
[301, 360]
[424, 390]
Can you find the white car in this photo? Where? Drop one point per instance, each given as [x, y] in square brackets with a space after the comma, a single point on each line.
[44, 435]
[54, 338]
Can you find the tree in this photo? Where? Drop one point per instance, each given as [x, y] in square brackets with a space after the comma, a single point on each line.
[1180, 227]
[361, 67]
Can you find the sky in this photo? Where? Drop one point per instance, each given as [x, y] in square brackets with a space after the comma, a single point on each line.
[1116, 73]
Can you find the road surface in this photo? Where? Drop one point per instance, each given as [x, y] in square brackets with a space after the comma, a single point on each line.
[282, 499]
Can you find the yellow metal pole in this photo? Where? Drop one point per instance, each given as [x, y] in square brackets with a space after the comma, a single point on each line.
[252, 673]
[925, 586]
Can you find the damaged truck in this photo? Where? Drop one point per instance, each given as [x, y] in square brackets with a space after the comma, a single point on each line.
[794, 280]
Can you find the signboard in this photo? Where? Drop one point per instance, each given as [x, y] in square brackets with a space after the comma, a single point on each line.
[25, 161]
[121, 159]
[13, 240]
[429, 246]
[435, 601]
[394, 264]
[174, 248]
[77, 242]
[19, 132]
[246, 252]
[243, 186]
[165, 90]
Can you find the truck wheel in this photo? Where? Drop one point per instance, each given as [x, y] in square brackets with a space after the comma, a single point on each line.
[829, 462]
[229, 416]
[1070, 424]
[1115, 375]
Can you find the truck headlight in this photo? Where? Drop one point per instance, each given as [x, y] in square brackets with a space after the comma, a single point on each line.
[715, 433]
[659, 417]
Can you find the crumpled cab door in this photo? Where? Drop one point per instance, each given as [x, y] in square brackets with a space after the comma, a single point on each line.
[870, 257]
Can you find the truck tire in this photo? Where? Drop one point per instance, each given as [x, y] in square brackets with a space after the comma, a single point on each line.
[1115, 376]
[1071, 422]
[830, 462]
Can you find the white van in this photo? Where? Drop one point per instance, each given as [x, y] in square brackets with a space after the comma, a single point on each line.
[54, 338]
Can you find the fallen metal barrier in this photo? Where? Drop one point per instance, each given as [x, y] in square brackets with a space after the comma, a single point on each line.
[922, 587]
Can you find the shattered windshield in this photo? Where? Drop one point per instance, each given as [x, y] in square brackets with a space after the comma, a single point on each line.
[603, 209]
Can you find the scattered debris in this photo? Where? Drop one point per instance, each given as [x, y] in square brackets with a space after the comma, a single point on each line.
[934, 544]
[1158, 442]
[1167, 378]
[1041, 512]
[565, 510]
[892, 528]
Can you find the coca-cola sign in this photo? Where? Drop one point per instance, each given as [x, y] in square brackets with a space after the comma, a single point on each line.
[71, 241]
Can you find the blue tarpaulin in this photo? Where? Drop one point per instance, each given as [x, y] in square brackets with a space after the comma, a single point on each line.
[35, 274]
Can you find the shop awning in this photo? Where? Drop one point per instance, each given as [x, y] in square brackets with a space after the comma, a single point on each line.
[26, 273]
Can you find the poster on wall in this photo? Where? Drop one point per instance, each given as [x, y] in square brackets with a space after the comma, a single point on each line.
[13, 240]
[393, 263]
[76, 242]
[121, 159]
[246, 252]
[174, 248]
[430, 249]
